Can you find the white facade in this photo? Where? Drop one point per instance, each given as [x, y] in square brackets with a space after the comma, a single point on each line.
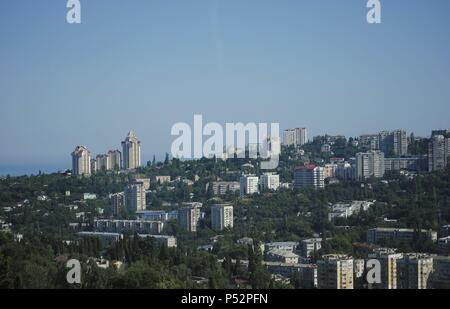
[102, 162]
[114, 160]
[369, 164]
[135, 199]
[249, 185]
[189, 216]
[222, 217]
[131, 154]
[117, 202]
[335, 272]
[81, 161]
[438, 153]
[295, 137]
[270, 181]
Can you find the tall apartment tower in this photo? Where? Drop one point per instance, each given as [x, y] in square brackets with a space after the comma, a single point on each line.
[394, 143]
[309, 176]
[289, 137]
[189, 216]
[249, 185]
[270, 181]
[399, 143]
[369, 164]
[131, 154]
[135, 199]
[438, 153]
[221, 217]
[413, 271]
[388, 260]
[295, 137]
[102, 162]
[114, 160]
[117, 203]
[81, 161]
[335, 272]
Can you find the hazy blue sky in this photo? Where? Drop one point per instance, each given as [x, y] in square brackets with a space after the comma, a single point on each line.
[146, 64]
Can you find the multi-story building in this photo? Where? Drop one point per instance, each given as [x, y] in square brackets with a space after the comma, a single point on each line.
[329, 170]
[81, 161]
[249, 185]
[388, 261]
[105, 238]
[309, 176]
[93, 165]
[444, 231]
[287, 246]
[346, 210]
[189, 216]
[335, 272]
[117, 202]
[399, 143]
[102, 162]
[289, 137]
[135, 199]
[438, 153]
[369, 164]
[345, 171]
[295, 137]
[270, 181]
[128, 226]
[145, 182]
[308, 247]
[416, 164]
[307, 273]
[413, 271]
[162, 179]
[131, 152]
[440, 278]
[370, 141]
[223, 187]
[114, 160]
[154, 215]
[302, 136]
[377, 234]
[168, 241]
[282, 257]
[394, 143]
[443, 132]
[222, 217]
[444, 244]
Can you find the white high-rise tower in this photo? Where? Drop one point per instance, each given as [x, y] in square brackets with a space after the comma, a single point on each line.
[131, 154]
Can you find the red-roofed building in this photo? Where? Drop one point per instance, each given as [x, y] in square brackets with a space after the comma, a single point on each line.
[309, 175]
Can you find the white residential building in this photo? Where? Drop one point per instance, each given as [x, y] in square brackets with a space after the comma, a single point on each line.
[438, 153]
[135, 199]
[295, 137]
[335, 272]
[270, 181]
[114, 160]
[189, 216]
[81, 161]
[370, 164]
[222, 217]
[131, 154]
[249, 185]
